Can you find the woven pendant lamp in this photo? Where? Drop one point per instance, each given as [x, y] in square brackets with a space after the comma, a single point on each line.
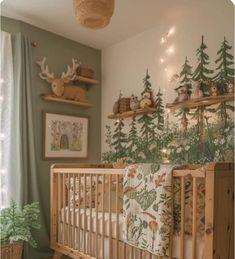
[93, 14]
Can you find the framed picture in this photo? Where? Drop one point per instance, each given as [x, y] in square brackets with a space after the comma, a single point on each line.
[65, 136]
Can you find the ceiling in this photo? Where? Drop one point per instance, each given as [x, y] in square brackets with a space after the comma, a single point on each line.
[130, 17]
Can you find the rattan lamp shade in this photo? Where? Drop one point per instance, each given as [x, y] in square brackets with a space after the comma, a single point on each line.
[93, 14]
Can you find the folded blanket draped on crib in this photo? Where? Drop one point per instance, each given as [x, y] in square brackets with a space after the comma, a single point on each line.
[147, 207]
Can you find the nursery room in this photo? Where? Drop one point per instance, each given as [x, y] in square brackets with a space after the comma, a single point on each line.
[117, 129]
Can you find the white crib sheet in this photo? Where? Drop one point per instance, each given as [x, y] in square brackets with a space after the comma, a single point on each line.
[176, 239]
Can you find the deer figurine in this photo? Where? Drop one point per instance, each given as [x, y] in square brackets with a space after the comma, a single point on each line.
[58, 86]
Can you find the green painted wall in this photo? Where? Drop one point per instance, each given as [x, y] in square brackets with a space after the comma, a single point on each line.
[59, 52]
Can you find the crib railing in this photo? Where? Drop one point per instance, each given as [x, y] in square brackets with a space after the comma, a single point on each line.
[85, 199]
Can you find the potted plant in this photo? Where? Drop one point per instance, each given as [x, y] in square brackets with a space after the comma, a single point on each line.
[15, 227]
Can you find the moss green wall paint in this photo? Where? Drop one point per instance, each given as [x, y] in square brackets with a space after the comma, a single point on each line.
[59, 52]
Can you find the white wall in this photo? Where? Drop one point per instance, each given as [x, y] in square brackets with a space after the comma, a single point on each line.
[124, 64]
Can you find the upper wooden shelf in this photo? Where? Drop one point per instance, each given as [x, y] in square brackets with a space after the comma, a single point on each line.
[53, 98]
[86, 80]
[131, 113]
[205, 101]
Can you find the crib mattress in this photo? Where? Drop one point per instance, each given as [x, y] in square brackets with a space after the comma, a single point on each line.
[176, 238]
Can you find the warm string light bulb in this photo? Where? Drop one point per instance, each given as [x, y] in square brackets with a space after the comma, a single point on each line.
[169, 50]
[163, 40]
[171, 31]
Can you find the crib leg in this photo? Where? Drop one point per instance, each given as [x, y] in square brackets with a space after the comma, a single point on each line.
[57, 255]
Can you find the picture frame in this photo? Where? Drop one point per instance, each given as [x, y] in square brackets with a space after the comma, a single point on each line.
[64, 136]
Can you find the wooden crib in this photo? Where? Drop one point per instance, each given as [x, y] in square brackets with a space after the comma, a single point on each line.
[90, 227]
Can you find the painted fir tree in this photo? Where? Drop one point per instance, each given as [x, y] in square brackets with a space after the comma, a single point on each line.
[147, 84]
[158, 116]
[185, 77]
[224, 75]
[146, 120]
[202, 73]
[225, 68]
[119, 139]
[132, 139]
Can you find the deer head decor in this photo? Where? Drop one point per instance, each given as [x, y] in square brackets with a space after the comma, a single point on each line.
[58, 86]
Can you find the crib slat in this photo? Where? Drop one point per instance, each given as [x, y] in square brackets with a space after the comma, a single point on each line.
[79, 211]
[182, 203]
[96, 218]
[124, 250]
[170, 245]
[141, 254]
[103, 215]
[74, 205]
[117, 216]
[110, 216]
[59, 203]
[90, 223]
[194, 232]
[132, 252]
[64, 206]
[84, 214]
[69, 212]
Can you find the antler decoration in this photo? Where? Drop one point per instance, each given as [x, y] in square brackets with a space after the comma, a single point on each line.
[71, 72]
[45, 74]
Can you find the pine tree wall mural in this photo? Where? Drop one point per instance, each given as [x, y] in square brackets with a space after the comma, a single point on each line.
[132, 139]
[224, 76]
[119, 139]
[202, 74]
[146, 120]
[158, 116]
[185, 80]
[201, 138]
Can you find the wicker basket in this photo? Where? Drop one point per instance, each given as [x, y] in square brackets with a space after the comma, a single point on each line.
[86, 71]
[93, 14]
[12, 251]
[124, 105]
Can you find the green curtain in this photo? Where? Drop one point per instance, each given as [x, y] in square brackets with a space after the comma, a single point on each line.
[25, 152]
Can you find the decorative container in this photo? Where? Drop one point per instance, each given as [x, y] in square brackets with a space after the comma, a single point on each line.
[12, 251]
[124, 105]
[86, 71]
[93, 14]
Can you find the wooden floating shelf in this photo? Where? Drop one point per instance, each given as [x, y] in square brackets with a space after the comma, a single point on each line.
[53, 98]
[205, 101]
[131, 113]
[86, 80]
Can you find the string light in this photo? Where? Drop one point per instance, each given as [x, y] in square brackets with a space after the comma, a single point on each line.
[164, 150]
[171, 31]
[1, 98]
[1, 80]
[170, 50]
[163, 40]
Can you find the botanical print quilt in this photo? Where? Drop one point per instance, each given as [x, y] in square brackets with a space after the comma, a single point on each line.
[147, 207]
